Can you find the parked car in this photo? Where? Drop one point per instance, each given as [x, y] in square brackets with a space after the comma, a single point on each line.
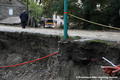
[49, 23]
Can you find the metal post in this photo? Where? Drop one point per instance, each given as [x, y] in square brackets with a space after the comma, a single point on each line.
[65, 19]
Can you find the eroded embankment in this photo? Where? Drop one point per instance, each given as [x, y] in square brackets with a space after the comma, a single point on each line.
[74, 58]
[21, 47]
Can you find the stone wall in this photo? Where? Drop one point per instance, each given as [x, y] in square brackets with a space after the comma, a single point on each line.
[3, 1]
[15, 5]
[4, 13]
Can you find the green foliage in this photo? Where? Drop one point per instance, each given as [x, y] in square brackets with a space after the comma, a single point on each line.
[73, 8]
[101, 11]
[88, 10]
[47, 5]
[102, 41]
[58, 7]
[92, 12]
[112, 13]
[36, 10]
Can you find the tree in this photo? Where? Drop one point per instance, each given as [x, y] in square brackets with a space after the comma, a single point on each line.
[101, 11]
[35, 9]
[47, 6]
[93, 10]
[112, 12]
[73, 8]
[88, 10]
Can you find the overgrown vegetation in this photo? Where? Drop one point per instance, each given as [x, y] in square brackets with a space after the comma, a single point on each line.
[102, 41]
[35, 9]
[101, 11]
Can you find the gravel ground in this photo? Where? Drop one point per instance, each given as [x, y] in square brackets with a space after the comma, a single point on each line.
[102, 35]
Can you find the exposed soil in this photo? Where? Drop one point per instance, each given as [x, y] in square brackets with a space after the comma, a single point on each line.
[72, 61]
[21, 47]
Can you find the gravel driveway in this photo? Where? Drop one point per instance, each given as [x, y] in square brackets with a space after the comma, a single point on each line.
[103, 35]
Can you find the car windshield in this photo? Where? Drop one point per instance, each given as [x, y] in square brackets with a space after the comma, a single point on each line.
[49, 21]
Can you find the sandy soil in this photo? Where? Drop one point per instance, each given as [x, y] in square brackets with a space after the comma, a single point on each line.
[102, 35]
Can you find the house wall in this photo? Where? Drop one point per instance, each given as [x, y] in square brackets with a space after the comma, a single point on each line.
[79, 1]
[3, 1]
[5, 6]
[58, 21]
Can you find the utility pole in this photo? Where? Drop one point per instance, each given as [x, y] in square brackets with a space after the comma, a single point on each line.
[65, 19]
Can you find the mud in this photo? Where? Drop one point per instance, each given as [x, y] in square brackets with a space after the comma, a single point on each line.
[21, 47]
[74, 58]
[83, 59]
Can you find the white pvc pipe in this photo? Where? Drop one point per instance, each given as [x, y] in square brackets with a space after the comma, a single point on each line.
[109, 61]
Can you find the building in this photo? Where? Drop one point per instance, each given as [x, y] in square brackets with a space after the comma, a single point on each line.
[10, 8]
[59, 21]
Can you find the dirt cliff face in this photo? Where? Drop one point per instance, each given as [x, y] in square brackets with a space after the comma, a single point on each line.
[84, 59]
[22, 47]
[74, 59]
